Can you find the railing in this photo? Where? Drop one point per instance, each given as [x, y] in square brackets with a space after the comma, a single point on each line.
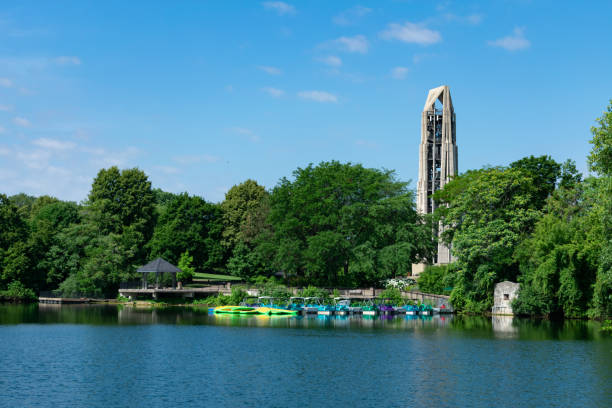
[56, 294]
[133, 285]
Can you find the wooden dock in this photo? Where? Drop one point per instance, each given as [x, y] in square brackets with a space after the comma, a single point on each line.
[63, 301]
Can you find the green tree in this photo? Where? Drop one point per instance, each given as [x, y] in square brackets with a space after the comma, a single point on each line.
[14, 227]
[49, 218]
[24, 203]
[559, 260]
[436, 279]
[600, 161]
[121, 199]
[185, 265]
[242, 209]
[600, 158]
[487, 213]
[67, 252]
[190, 224]
[122, 203]
[247, 262]
[15, 262]
[342, 224]
[544, 172]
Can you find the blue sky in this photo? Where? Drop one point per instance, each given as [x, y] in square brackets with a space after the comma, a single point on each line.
[203, 95]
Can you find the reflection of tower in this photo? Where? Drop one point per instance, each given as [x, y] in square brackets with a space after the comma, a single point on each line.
[437, 157]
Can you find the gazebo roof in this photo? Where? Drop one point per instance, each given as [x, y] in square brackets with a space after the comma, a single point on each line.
[159, 265]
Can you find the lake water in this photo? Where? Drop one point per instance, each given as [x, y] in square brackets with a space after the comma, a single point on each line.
[113, 356]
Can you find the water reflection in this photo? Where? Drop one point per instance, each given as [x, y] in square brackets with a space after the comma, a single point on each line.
[500, 327]
[503, 328]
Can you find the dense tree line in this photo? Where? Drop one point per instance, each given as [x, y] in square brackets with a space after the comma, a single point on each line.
[536, 222]
[333, 224]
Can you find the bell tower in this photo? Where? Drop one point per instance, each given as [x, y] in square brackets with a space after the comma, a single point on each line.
[437, 158]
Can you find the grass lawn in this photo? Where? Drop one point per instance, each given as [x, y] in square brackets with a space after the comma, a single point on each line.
[212, 276]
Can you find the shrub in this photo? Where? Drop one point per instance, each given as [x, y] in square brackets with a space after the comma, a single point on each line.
[313, 291]
[237, 296]
[16, 292]
[185, 265]
[393, 294]
[400, 283]
[436, 279]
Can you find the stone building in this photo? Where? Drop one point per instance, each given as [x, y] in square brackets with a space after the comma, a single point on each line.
[505, 292]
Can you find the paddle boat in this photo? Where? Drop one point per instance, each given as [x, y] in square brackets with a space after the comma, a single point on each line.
[269, 305]
[268, 301]
[425, 310]
[326, 310]
[354, 308]
[342, 306]
[442, 309]
[369, 308]
[411, 310]
[400, 309]
[385, 306]
[347, 304]
[311, 304]
[296, 303]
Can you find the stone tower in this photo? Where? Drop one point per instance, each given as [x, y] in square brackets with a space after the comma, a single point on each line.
[437, 157]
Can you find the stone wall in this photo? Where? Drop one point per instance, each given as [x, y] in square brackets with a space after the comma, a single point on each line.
[505, 292]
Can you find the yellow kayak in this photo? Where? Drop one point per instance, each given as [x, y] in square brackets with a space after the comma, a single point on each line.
[241, 310]
[275, 311]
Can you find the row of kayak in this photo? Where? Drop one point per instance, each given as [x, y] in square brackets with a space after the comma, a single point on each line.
[247, 310]
[342, 306]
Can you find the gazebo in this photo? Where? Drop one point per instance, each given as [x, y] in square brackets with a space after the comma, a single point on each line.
[158, 266]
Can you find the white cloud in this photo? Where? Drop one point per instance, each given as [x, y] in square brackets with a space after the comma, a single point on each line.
[6, 83]
[242, 131]
[277, 93]
[514, 42]
[23, 122]
[318, 96]
[96, 151]
[411, 33]
[472, 19]
[58, 171]
[357, 44]
[418, 58]
[67, 60]
[399, 72]
[270, 70]
[7, 174]
[351, 16]
[37, 159]
[119, 158]
[331, 60]
[53, 144]
[168, 169]
[6, 108]
[246, 132]
[280, 7]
